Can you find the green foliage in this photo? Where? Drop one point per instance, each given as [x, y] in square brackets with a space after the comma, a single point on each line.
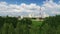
[12, 20]
[26, 22]
[11, 29]
[18, 29]
[11, 25]
[5, 28]
[53, 25]
[1, 21]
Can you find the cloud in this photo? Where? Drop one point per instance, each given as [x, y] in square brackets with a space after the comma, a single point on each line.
[17, 10]
[51, 8]
[48, 8]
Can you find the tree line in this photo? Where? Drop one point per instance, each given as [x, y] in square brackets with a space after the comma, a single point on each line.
[11, 25]
[51, 25]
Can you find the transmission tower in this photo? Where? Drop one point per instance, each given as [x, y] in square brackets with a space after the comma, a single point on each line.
[40, 13]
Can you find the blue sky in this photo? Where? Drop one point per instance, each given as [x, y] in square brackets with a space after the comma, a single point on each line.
[38, 2]
[27, 7]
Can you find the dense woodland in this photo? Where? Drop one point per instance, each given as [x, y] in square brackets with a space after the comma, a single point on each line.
[11, 25]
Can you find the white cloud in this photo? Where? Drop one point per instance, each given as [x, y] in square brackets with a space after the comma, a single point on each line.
[48, 8]
[51, 7]
[13, 9]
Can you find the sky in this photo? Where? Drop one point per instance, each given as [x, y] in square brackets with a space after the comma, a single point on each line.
[38, 2]
[27, 7]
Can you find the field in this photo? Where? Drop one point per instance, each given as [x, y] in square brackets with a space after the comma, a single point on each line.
[36, 23]
[35, 27]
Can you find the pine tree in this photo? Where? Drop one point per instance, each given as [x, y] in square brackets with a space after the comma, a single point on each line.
[5, 28]
[18, 29]
[26, 22]
[11, 29]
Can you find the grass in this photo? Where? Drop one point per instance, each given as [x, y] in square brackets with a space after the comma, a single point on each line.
[35, 26]
[36, 23]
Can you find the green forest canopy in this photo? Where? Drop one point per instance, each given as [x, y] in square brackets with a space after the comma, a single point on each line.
[11, 25]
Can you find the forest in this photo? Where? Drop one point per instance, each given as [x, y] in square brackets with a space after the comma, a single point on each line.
[11, 25]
